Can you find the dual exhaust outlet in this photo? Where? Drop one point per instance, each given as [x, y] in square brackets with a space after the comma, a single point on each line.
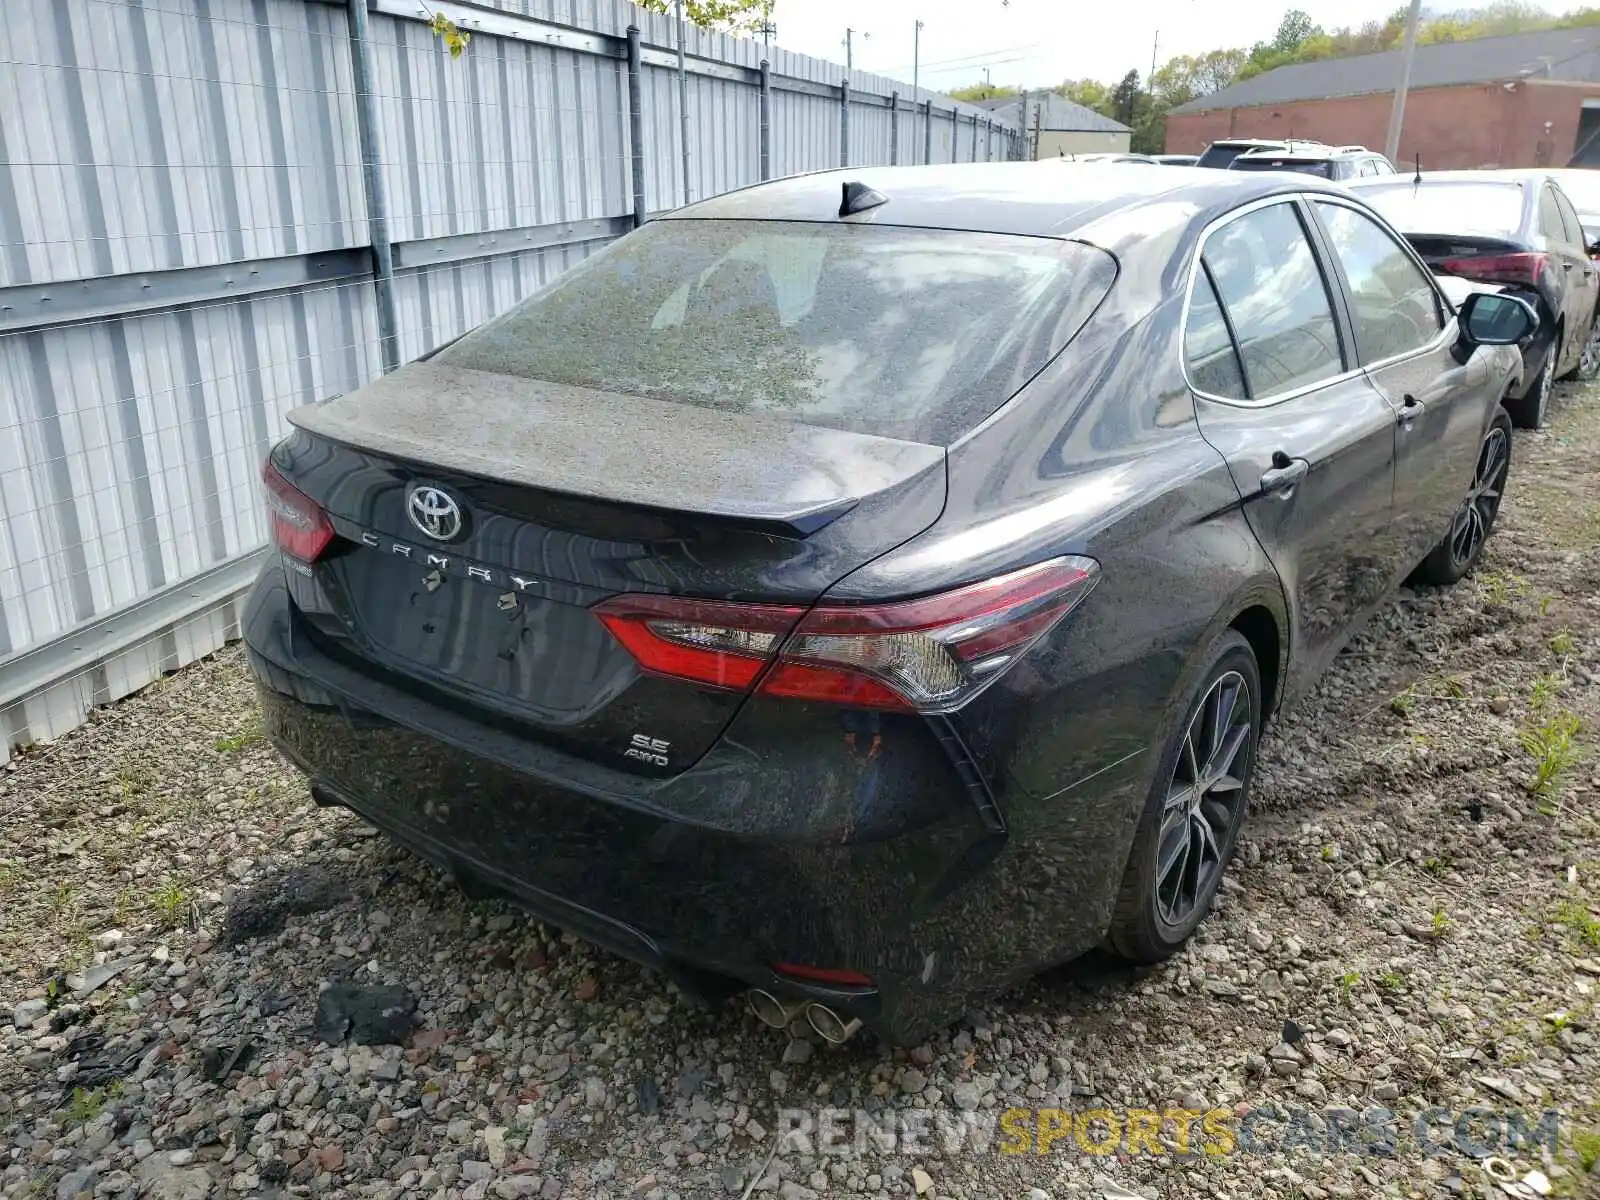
[825, 1023]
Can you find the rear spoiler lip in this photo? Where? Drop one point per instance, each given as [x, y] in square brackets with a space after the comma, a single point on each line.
[786, 479]
[794, 524]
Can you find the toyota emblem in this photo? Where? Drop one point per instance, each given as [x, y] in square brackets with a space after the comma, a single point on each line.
[433, 512]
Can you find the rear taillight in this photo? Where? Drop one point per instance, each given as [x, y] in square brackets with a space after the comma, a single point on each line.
[927, 655]
[299, 526]
[1524, 267]
[706, 641]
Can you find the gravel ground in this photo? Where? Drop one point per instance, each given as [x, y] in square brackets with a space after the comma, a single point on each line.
[1411, 925]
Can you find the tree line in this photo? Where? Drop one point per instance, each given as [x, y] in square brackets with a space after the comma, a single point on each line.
[1142, 105]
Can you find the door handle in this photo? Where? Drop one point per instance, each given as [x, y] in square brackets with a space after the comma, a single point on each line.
[1410, 409]
[1286, 472]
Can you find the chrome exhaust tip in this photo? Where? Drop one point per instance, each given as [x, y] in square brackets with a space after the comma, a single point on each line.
[768, 1009]
[829, 1025]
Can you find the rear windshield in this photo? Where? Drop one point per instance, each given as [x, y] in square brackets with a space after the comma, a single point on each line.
[1322, 168]
[906, 333]
[1412, 208]
[1217, 155]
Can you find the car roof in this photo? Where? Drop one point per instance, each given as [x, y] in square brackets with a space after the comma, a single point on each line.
[1050, 198]
[1311, 152]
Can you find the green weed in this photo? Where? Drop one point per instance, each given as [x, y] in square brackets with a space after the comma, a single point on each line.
[1545, 689]
[253, 736]
[1580, 922]
[88, 1103]
[170, 903]
[1561, 644]
[1586, 1145]
[1551, 747]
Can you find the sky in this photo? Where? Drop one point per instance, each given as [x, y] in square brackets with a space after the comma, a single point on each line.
[1039, 43]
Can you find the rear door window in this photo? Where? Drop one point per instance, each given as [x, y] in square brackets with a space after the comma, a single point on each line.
[1277, 300]
[908, 333]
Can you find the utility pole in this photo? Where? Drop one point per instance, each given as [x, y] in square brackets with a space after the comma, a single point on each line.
[988, 84]
[683, 105]
[1154, 46]
[1022, 114]
[916, 90]
[916, 60]
[849, 51]
[1397, 114]
[767, 29]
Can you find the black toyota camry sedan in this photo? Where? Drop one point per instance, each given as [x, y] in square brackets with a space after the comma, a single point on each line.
[864, 590]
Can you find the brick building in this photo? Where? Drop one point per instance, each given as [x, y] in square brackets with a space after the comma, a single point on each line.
[1526, 100]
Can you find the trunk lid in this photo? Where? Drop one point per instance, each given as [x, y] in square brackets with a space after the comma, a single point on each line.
[567, 496]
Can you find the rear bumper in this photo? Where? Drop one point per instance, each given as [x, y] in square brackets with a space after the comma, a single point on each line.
[878, 862]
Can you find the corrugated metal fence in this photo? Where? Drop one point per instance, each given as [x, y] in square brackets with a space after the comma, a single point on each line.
[189, 248]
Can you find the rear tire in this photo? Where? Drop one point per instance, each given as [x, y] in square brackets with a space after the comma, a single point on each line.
[1589, 364]
[1473, 522]
[1195, 807]
[1531, 410]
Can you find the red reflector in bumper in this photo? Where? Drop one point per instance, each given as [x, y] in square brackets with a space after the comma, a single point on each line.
[831, 975]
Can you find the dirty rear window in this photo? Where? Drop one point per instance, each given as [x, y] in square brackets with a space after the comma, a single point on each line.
[907, 333]
[1447, 208]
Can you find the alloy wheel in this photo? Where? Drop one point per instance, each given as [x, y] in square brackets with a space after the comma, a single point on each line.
[1476, 516]
[1589, 364]
[1205, 799]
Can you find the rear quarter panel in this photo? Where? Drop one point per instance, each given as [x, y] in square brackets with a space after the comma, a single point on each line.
[1100, 456]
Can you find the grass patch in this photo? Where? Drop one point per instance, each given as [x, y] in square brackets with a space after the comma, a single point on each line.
[1561, 645]
[1391, 981]
[135, 780]
[1579, 921]
[253, 736]
[1545, 689]
[170, 904]
[1551, 747]
[88, 1103]
[1586, 1145]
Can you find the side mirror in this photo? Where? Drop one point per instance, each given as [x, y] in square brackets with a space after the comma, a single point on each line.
[1496, 319]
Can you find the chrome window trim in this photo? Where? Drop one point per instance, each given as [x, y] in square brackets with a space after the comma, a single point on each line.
[1446, 335]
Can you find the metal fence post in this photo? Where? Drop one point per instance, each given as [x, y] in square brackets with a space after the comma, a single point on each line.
[927, 133]
[955, 135]
[974, 137]
[636, 124]
[766, 120]
[894, 129]
[844, 123]
[372, 184]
